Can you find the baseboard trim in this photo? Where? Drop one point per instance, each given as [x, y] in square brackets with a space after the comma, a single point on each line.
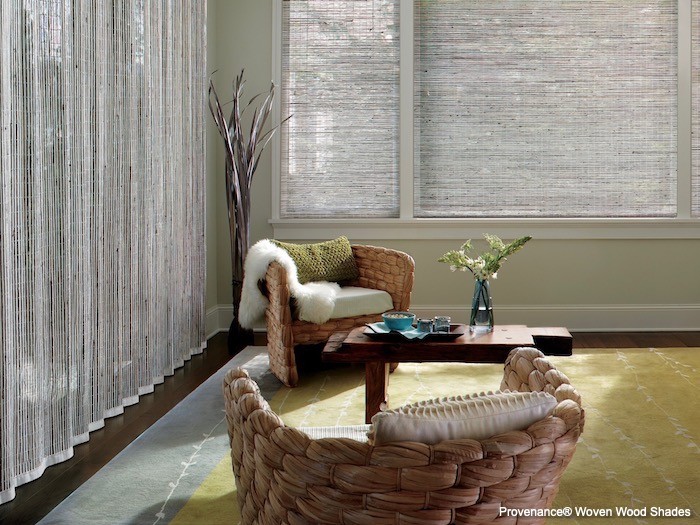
[580, 318]
[219, 317]
[585, 318]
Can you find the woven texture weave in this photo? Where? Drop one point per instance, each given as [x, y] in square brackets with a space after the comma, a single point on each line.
[284, 476]
[323, 261]
[379, 268]
[102, 216]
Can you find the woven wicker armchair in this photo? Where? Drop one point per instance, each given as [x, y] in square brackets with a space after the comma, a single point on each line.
[284, 476]
[379, 268]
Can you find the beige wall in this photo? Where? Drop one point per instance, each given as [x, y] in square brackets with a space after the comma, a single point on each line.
[585, 284]
[239, 37]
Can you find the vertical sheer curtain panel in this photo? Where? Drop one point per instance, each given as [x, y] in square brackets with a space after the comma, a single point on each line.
[101, 224]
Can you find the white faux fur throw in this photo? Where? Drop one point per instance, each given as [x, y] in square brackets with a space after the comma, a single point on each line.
[316, 300]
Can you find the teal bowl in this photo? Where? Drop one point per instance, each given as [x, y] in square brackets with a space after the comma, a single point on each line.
[399, 321]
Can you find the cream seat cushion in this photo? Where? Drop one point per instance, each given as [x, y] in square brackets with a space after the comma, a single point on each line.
[478, 416]
[354, 300]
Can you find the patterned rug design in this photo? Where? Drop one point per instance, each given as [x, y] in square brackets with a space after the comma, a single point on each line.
[640, 448]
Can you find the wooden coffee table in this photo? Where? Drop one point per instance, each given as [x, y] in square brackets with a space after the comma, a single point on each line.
[377, 352]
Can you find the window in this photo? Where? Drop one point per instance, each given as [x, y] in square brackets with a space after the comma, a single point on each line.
[563, 110]
[340, 149]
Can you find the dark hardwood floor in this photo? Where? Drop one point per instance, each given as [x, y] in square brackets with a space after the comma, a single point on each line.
[36, 499]
[635, 339]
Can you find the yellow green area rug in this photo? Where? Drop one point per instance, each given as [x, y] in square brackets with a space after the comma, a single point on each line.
[637, 460]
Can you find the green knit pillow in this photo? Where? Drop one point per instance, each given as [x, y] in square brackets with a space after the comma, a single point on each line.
[324, 261]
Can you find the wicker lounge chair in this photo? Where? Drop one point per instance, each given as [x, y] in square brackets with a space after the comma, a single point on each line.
[379, 268]
[285, 476]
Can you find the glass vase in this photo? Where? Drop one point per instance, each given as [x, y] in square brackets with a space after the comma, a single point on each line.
[481, 319]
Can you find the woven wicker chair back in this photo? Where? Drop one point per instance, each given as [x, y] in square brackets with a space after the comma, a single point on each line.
[379, 268]
[284, 476]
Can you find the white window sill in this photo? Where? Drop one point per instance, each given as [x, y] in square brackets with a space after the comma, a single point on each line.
[451, 229]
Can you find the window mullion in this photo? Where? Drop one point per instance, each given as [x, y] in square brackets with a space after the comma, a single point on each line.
[406, 109]
[276, 105]
[685, 108]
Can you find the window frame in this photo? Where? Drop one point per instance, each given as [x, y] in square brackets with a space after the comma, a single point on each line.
[408, 227]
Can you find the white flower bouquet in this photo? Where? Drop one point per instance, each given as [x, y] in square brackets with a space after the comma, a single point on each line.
[486, 265]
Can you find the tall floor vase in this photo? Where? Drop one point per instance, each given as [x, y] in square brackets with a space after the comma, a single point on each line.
[243, 150]
[481, 319]
[239, 231]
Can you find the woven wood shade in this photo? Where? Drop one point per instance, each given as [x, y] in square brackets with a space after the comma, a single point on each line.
[561, 108]
[340, 73]
[545, 109]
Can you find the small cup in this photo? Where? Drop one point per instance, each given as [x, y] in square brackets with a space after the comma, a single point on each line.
[442, 324]
[425, 325]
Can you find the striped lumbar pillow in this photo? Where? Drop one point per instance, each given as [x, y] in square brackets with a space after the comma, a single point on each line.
[477, 416]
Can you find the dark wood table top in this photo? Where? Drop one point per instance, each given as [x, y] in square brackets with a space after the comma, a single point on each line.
[490, 347]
